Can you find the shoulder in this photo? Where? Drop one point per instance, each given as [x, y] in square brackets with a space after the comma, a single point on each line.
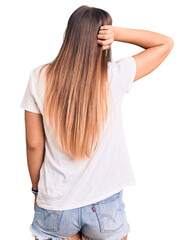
[123, 71]
[35, 73]
[128, 61]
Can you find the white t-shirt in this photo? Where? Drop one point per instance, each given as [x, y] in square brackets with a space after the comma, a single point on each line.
[65, 183]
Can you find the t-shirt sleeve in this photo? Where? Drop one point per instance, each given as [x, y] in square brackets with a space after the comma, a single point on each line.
[126, 70]
[28, 101]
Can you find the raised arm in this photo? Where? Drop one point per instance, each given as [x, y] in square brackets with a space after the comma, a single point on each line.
[157, 46]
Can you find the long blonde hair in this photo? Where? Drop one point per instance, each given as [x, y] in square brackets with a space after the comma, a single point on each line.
[76, 86]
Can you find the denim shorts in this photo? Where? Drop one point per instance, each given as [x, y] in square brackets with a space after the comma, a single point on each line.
[105, 219]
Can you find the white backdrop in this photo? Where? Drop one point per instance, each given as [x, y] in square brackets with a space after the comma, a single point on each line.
[157, 113]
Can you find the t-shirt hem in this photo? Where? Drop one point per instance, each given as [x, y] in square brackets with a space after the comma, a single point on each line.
[30, 109]
[82, 204]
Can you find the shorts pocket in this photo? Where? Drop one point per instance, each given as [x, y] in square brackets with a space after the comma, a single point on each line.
[47, 220]
[110, 213]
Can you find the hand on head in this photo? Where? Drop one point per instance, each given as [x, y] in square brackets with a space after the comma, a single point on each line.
[106, 36]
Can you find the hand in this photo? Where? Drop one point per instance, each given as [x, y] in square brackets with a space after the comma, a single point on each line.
[35, 197]
[106, 36]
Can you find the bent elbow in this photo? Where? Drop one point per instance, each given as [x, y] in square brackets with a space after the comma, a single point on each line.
[170, 43]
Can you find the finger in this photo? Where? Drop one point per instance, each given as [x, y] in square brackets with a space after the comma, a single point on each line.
[101, 36]
[104, 32]
[104, 42]
[105, 47]
[105, 27]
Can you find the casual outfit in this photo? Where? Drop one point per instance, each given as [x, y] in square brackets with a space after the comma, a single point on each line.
[71, 188]
[105, 219]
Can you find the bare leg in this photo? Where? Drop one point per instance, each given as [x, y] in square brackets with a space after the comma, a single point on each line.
[124, 238]
[83, 237]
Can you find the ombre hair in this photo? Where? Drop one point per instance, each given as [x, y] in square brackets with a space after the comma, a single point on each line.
[76, 84]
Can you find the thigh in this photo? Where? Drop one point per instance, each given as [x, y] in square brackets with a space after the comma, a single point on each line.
[105, 219]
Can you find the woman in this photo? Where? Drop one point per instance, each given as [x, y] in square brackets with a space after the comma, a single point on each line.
[76, 150]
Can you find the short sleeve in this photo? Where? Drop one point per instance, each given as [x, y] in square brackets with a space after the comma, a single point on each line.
[126, 70]
[28, 101]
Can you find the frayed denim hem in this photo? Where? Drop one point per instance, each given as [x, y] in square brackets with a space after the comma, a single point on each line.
[40, 235]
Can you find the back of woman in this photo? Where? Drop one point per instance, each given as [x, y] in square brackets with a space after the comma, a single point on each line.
[76, 150]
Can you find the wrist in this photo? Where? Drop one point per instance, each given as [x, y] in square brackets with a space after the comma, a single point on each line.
[34, 191]
[35, 187]
[116, 33]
